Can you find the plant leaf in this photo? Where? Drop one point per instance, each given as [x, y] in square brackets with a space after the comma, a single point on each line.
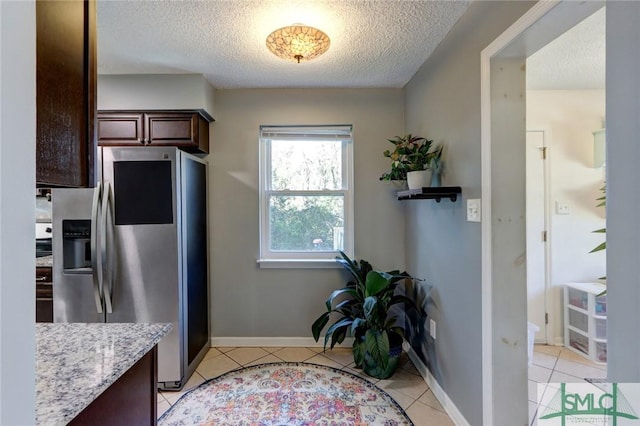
[350, 266]
[358, 322]
[344, 322]
[336, 293]
[600, 231]
[338, 335]
[319, 324]
[369, 309]
[377, 345]
[359, 350]
[599, 248]
[376, 282]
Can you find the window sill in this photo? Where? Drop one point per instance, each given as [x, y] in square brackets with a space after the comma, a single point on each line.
[298, 264]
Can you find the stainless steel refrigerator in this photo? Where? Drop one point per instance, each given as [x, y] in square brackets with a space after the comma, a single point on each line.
[134, 249]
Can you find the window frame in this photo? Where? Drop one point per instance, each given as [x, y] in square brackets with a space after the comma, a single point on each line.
[304, 259]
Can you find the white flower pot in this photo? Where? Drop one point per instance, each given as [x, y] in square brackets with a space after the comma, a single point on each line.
[418, 179]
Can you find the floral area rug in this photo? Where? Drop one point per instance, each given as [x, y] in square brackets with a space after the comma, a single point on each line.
[286, 393]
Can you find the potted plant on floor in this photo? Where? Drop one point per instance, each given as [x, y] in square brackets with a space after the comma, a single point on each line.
[363, 308]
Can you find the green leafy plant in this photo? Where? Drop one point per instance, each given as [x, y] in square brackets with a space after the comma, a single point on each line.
[602, 203]
[603, 245]
[410, 153]
[363, 311]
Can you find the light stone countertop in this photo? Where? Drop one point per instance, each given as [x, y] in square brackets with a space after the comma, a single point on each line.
[44, 261]
[76, 362]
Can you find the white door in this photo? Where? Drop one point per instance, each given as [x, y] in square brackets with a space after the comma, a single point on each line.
[536, 233]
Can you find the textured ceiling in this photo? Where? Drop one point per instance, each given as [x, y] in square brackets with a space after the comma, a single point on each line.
[378, 43]
[575, 60]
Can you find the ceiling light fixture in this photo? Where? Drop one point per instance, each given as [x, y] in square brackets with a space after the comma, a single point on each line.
[298, 42]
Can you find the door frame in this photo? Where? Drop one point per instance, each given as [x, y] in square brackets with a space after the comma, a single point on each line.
[520, 40]
[546, 136]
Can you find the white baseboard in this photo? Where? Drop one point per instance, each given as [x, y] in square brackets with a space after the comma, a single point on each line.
[456, 416]
[555, 341]
[273, 342]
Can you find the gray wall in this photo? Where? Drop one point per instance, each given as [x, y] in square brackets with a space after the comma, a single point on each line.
[442, 102]
[251, 302]
[17, 214]
[623, 197]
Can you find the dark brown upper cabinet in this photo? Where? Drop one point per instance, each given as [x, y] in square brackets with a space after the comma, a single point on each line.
[65, 93]
[188, 130]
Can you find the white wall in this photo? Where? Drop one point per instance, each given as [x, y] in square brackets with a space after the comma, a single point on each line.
[17, 211]
[251, 302]
[568, 118]
[155, 91]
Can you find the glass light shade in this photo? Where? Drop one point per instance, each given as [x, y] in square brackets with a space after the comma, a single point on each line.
[298, 43]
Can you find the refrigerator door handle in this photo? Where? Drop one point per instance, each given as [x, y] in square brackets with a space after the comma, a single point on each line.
[96, 266]
[106, 249]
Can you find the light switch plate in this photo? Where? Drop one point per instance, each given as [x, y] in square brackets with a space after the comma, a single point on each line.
[562, 208]
[473, 210]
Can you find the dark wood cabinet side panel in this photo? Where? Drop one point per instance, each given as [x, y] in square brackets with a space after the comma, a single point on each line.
[91, 84]
[131, 400]
[44, 310]
[64, 146]
[203, 135]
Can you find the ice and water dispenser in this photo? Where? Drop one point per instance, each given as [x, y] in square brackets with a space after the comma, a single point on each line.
[76, 246]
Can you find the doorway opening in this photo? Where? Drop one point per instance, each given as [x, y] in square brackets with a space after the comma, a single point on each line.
[504, 204]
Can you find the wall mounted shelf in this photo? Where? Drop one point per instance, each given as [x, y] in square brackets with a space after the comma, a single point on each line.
[428, 193]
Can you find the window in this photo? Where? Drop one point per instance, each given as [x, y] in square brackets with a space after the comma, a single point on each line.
[306, 194]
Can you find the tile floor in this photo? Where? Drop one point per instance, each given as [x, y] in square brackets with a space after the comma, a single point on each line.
[556, 364]
[406, 386]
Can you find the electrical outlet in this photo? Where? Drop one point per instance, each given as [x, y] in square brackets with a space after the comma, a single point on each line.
[432, 328]
[473, 210]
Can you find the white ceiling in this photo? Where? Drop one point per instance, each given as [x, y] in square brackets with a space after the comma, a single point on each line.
[575, 60]
[378, 43]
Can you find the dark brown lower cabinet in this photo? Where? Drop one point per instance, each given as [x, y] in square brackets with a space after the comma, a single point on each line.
[44, 295]
[131, 400]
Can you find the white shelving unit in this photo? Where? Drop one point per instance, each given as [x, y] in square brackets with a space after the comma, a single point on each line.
[585, 320]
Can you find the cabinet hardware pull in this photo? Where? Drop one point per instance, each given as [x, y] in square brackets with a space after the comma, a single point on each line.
[41, 278]
[141, 141]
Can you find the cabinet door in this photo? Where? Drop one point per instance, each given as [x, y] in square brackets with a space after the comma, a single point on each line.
[44, 295]
[183, 130]
[65, 93]
[120, 129]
